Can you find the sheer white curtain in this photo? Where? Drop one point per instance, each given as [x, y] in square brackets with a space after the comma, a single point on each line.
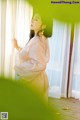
[0, 37]
[15, 23]
[57, 68]
[74, 90]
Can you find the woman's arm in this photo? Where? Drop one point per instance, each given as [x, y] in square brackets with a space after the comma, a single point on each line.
[37, 55]
[23, 55]
[36, 63]
[15, 45]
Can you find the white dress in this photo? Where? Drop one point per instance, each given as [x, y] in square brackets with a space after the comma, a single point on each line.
[32, 70]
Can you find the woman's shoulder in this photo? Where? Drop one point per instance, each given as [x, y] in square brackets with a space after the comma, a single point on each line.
[32, 41]
[37, 40]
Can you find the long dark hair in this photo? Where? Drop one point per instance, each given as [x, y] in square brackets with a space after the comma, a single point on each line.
[47, 31]
[32, 34]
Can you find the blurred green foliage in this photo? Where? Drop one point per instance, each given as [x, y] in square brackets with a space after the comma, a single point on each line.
[64, 12]
[68, 13]
[22, 103]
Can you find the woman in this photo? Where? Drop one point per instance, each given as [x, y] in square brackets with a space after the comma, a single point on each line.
[33, 58]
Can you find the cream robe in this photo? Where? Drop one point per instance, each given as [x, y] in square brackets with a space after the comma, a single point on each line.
[33, 70]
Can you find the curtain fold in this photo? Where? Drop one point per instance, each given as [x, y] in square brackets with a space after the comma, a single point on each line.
[3, 31]
[0, 38]
[74, 88]
[15, 23]
[57, 68]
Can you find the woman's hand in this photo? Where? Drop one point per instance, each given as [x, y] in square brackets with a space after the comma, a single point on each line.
[15, 44]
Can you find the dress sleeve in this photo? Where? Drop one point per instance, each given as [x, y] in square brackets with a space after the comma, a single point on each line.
[23, 54]
[35, 64]
[37, 56]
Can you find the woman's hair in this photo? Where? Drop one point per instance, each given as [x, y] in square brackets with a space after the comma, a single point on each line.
[47, 30]
[32, 34]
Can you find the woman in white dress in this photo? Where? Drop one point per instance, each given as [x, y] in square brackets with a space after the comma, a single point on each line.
[33, 58]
